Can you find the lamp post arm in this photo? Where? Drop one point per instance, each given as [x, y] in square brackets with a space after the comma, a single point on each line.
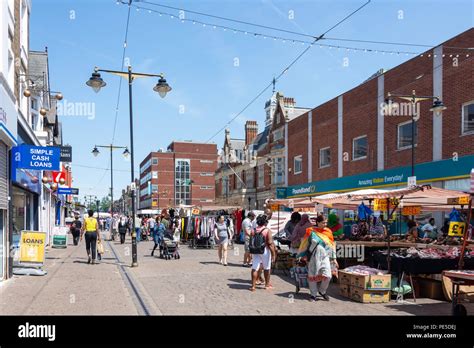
[125, 74]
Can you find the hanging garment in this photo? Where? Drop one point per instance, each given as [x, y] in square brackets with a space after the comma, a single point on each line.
[238, 219]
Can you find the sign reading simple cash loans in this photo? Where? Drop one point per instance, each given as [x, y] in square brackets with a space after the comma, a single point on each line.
[36, 157]
[32, 245]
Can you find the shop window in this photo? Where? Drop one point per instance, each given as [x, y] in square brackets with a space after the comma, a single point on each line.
[298, 164]
[359, 148]
[468, 118]
[324, 157]
[404, 135]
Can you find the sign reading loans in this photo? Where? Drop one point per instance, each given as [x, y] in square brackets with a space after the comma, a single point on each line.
[36, 157]
[32, 247]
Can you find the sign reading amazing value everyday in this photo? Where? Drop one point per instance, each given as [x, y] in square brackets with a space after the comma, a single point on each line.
[36, 157]
[32, 245]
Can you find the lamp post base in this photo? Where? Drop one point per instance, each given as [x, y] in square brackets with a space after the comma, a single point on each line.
[134, 264]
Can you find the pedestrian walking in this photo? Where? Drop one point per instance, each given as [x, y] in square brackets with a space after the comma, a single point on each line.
[91, 232]
[318, 249]
[122, 228]
[222, 235]
[138, 224]
[263, 252]
[158, 233]
[75, 228]
[247, 228]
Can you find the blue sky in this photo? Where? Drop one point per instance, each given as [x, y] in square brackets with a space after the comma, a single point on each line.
[198, 63]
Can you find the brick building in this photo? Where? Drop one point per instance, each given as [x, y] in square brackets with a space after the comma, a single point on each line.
[184, 174]
[353, 142]
[251, 169]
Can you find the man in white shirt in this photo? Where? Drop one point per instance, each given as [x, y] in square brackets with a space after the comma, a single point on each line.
[430, 230]
[247, 227]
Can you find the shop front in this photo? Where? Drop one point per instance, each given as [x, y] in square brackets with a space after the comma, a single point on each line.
[8, 134]
[452, 174]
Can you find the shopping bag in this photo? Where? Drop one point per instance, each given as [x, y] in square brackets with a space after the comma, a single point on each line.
[100, 248]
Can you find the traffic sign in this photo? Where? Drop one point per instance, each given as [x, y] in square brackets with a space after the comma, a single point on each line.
[36, 157]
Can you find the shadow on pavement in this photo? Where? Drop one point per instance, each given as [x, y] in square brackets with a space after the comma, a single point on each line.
[240, 286]
[209, 263]
[246, 281]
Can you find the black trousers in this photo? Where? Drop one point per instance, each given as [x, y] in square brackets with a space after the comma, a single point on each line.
[91, 243]
[122, 237]
[75, 236]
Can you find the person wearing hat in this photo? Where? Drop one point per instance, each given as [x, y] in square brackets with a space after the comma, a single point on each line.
[248, 228]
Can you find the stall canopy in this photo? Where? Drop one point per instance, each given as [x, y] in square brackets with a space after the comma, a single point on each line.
[428, 197]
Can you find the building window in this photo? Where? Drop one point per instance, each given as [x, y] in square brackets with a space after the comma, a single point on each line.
[182, 181]
[278, 170]
[225, 185]
[404, 135]
[298, 164]
[238, 179]
[154, 161]
[34, 122]
[154, 175]
[324, 157]
[359, 148]
[468, 117]
[278, 134]
[261, 175]
[34, 104]
[145, 166]
[154, 188]
[249, 178]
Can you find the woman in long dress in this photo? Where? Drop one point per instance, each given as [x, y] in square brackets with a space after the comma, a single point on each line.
[319, 251]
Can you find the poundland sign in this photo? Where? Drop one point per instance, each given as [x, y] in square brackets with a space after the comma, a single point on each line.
[303, 190]
[36, 157]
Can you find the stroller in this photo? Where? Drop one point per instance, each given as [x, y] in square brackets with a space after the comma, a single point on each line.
[169, 246]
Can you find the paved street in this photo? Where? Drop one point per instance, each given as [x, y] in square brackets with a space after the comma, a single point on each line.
[194, 285]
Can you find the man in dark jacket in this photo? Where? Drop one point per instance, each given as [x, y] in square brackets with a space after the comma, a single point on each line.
[76, 226]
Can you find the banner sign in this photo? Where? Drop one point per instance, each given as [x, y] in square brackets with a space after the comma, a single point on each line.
[66, 153]
[459, 200]
[456, 229]
[57, 176]
[36, 157]
[413, 210]
[32, 245]
[196, 211]
[67, 191]
[381, 204]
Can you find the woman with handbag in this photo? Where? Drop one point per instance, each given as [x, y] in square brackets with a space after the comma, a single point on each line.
[222, 235]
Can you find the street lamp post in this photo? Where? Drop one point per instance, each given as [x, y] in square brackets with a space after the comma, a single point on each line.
[125, 153]
[437, 107]
[162, 87]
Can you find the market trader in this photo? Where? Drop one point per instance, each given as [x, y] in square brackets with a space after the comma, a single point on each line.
[91, 230]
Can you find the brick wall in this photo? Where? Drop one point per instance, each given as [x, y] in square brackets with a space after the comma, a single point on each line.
[298, 129]
[324, 128]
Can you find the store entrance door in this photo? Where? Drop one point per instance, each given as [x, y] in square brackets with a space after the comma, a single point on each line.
[3, 233]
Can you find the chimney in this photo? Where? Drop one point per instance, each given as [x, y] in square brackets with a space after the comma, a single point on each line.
[251, 130]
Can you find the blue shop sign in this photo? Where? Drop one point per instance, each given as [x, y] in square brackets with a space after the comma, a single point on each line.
[36, 157]
[67, 191]
[425, 172]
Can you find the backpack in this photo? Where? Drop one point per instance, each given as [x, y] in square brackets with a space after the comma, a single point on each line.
[257, 243]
